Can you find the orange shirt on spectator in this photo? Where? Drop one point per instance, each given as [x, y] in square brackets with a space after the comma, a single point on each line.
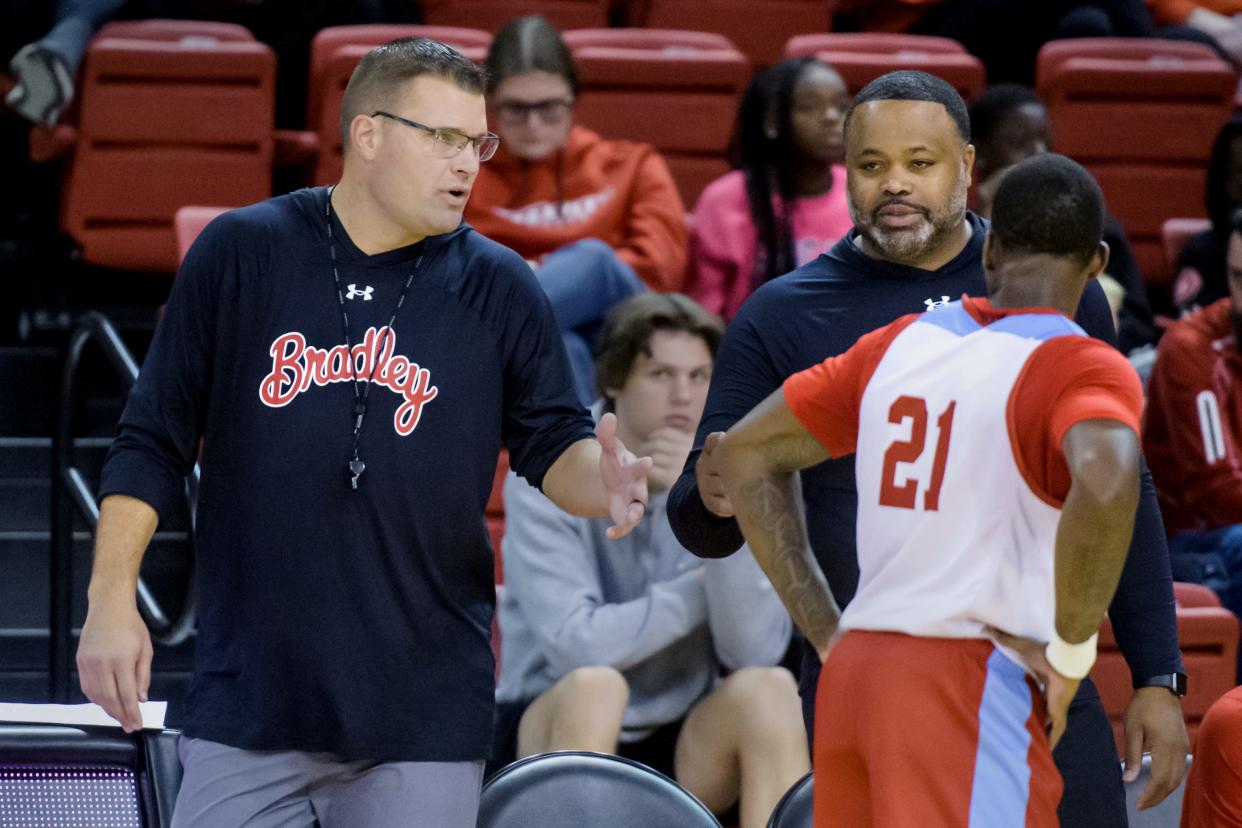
[617, 191]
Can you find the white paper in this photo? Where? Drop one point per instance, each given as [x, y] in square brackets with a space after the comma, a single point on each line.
[79, 714]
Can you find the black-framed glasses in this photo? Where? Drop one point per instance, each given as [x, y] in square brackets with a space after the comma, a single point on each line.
[446, 142]
[550, 110]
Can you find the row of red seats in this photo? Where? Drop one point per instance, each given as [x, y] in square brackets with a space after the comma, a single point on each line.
[759, 28]
[176, 113]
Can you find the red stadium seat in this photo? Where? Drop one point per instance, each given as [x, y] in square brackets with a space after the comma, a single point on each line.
[1175, 233]
[677, 91]
[496, 512]
[759, 28]
[176, 30]
[1142, 116]
[335, 53]
[1194, 595]
[165, 123]
[1208, 635]
[188, 222]
[493, 14]
[872, 43]
[496, 532]
[861, 57]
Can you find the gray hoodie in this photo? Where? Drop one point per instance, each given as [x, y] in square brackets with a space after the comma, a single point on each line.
[642, 604]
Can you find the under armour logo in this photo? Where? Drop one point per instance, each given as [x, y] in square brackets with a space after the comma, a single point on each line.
[365, 293]
[932, 304]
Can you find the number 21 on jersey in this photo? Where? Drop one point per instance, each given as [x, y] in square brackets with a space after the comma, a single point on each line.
[905, 495]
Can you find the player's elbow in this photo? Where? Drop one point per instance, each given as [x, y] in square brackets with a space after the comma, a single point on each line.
[1104, 466]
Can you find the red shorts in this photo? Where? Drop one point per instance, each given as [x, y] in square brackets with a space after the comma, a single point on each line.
[930, 732]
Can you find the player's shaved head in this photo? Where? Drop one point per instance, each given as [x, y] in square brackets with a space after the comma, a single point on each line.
[1049, 204]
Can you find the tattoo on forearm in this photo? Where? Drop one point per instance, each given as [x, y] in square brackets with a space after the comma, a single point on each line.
[771, 519]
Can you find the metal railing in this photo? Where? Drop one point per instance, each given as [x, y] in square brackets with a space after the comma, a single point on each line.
[71, 493]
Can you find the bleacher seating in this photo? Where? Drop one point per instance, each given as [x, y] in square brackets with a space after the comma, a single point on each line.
[1208, 635]
[188, 222]
[861, 57]
[496, 513]
[570, 789]
[176, 30]
[335, 53]
[172, 113]
[759, 28]
[1142, 116]
[1175, 233]
[677, 91]
[493, 14]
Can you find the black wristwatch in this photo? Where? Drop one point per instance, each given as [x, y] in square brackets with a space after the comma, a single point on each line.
[1173, 682]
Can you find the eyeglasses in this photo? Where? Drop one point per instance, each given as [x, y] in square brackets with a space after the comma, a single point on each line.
[550, 111]
[446, 143]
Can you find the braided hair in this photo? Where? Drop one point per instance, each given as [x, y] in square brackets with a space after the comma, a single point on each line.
[764, 149]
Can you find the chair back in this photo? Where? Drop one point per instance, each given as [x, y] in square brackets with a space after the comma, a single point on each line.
[571, 789]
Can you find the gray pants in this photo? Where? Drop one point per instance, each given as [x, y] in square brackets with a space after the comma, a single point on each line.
[229, 787]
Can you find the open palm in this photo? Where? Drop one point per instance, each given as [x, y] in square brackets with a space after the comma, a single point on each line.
[624, 476]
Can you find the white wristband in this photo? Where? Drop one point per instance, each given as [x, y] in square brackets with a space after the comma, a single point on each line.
[1071, 660]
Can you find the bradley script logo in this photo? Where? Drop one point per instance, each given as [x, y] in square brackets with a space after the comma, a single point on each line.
[297, 366]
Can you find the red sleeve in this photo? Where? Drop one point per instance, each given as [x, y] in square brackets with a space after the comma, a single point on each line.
[825, 397]
[1067, 380]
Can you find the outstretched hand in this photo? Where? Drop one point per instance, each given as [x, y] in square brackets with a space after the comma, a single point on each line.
[624, 476]
[1058, 690]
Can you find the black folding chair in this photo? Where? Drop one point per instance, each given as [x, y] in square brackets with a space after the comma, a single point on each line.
[795, 808]
[54, 775]
[571, 789]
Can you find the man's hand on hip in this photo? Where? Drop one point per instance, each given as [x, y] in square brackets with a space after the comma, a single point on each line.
[1059, 690]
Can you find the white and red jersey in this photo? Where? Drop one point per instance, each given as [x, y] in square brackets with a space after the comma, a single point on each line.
[956, 417]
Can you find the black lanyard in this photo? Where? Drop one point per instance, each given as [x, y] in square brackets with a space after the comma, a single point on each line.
[356, 466]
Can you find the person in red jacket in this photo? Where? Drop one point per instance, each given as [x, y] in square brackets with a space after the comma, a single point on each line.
[598, 219]
[1192, 435]
[1213, 796]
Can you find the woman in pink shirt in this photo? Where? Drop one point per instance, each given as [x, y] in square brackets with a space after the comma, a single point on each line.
[784, 203]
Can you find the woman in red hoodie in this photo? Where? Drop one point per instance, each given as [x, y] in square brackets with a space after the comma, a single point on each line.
[597, 219]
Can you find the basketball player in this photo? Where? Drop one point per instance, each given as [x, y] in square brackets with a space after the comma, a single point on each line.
[997, 468]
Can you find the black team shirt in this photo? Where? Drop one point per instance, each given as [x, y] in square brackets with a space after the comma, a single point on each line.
[820, 310]
[353, 622]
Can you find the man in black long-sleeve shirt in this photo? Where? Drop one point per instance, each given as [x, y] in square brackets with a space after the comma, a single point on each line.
[343, 673]
[915, 246]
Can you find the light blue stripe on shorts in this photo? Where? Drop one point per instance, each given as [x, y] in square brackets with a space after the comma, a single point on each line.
[1002, 783]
